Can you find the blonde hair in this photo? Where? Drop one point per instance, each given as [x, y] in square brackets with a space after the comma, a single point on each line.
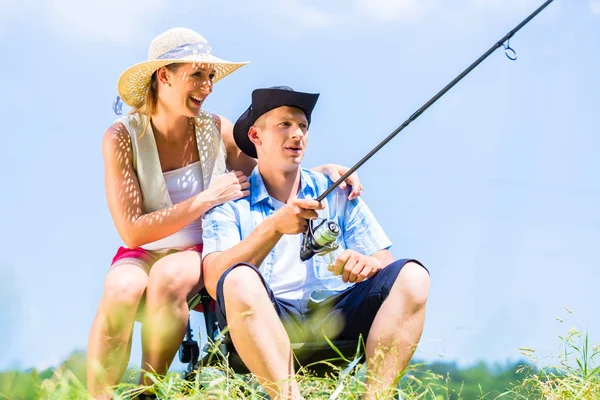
[148, 107]
[261, 122]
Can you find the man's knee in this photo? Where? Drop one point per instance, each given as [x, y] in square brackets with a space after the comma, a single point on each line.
[242, 285]
[412, 284]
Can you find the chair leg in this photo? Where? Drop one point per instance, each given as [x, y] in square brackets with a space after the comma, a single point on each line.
[210, 318]
[213, 336]
[213, 332]
[189, 351]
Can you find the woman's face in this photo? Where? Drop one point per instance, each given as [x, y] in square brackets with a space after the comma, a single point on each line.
[184, 87]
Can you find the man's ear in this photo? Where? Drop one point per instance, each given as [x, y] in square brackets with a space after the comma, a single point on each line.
[254, 135]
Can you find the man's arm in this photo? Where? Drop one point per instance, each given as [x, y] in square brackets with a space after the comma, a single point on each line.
[253, 249]
[385, 257]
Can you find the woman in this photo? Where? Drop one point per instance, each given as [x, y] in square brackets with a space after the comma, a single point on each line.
[165, 166]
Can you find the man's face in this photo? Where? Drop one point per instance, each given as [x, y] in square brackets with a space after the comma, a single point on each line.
[280, 137]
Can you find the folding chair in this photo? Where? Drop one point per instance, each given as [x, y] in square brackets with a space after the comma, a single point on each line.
[308, 355]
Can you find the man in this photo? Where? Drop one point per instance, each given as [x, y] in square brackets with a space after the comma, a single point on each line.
[266, 295]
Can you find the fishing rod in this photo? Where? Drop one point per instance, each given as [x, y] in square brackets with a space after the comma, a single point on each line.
[321, 239]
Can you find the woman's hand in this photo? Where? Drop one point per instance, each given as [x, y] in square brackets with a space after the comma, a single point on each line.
[230, 186]
[335, 171]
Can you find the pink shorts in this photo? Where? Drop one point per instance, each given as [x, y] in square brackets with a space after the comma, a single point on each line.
[148, 257]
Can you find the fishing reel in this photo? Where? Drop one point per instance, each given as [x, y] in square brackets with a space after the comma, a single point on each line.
[319, 239]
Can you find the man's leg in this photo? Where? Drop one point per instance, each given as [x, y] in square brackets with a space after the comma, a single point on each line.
[256, 331]
[389, 310]
[397, 328]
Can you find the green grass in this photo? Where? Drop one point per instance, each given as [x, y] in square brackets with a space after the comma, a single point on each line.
[572, 374]
[220, 382]
[575, 375]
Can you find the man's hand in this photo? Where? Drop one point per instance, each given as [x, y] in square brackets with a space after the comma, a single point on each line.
[292, 218]
[355, 267]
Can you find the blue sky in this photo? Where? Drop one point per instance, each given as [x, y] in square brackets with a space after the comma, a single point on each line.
[495, 188]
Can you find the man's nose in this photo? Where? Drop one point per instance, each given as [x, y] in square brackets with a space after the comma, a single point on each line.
[298, 133]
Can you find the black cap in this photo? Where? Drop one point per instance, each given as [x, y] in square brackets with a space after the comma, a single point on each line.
[265, 100]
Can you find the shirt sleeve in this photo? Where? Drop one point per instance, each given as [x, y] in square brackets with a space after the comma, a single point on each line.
[362, 232]
[220, 229]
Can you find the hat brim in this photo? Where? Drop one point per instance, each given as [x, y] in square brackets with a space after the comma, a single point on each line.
[133, 83]
[263, 101]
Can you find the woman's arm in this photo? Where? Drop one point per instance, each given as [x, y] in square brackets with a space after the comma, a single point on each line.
[124, 196]
[335, 172]
[237, 160]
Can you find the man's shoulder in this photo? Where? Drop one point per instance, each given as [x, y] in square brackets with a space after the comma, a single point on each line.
[238, 204]
[317, 179]
[231, 208]
[321, 182]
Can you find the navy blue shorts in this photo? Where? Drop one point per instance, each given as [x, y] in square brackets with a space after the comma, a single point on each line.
[343, 316]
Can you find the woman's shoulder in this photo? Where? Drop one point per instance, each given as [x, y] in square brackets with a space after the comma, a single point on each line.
[217, 119]
[122, 129]
[220, 121]
[133, 122]
[116, 136]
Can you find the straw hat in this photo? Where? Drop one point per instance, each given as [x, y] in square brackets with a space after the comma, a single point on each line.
[177, 45]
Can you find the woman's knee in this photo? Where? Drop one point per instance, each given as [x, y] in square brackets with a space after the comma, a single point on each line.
[125, 286]
[243, 285]
[176, 275]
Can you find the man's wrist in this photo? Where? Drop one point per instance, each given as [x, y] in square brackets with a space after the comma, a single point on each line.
[271, 224]
[375, 262]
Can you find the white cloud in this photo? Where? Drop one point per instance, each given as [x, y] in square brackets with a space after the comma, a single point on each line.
[16, 11]
[14, 8]
[305, 14]
[595, 6]
[107, 20]
[123, 22]
[506, 6]
[473, 15]
[298, 12]
[119, 21]
[459, 10]
[395, 10]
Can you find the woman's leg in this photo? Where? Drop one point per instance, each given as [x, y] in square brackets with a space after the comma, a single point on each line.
[173, 280]
[109, 343]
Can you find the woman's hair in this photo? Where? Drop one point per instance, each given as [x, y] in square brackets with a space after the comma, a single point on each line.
[148, 107]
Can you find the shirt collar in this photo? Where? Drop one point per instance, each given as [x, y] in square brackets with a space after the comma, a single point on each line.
[258, 190]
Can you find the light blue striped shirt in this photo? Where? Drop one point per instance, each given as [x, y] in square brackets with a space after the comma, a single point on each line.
[228, 224]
